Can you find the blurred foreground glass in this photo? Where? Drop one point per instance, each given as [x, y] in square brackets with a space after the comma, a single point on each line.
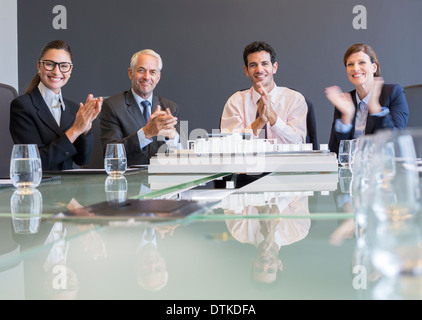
[359, 189]
[346, 151]
[398, 288]
[416, 134]
[26, 207]
[394, 179]
[115, 162]
[25, 166]
[396, 248]
[116, 189]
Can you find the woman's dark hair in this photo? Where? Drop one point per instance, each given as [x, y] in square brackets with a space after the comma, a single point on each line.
[55, 44]
[360, 47]
[257, 46]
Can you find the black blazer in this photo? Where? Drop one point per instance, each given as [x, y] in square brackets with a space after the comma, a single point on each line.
[393, 97]
[120, 120]
[31, 122]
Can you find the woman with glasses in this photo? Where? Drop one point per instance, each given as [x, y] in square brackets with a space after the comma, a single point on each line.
[371, 106]
[60, 127]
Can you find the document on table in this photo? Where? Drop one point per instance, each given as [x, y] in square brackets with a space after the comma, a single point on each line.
[5, 183]
[138, 209]
[91, 170]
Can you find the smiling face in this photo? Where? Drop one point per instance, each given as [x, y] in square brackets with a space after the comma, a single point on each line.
[360, 70]
[260, 70]
[55, 79]
[145, 75]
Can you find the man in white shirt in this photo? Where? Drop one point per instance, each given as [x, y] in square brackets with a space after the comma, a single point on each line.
[142, 121]
[265, 110]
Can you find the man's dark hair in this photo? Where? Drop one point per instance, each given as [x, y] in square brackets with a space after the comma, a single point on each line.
[257, 46]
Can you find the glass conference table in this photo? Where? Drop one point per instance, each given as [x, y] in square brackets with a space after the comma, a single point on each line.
[279, 236]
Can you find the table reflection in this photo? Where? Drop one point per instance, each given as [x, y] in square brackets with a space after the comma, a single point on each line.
[61, 281]
[345, 179]
[269, 235]
[116, 189]
[26, 207]
[151, 267]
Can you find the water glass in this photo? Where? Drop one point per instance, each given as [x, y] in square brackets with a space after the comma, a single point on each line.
[416, 134]
[345, 179]
[394, 180]
[346, 151]
[25, 166]
[115, 162]
[395, 248]
[26, 207]
[360, 192]
[116, 189]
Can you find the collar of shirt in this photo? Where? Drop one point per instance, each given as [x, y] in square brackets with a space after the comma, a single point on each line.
[273, 94]
[365, 100]
[50, 98]
[140, 99]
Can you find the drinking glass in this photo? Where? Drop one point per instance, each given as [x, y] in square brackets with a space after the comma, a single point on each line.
[360, 192]
[345, 179]
[115, 162]
[416, 134]
[116, 189]
[395, 248]
[26, 207]
[25, 166]
[394, 179]
[346, 151]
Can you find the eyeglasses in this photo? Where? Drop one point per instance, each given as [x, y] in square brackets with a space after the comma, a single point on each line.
[51, 65]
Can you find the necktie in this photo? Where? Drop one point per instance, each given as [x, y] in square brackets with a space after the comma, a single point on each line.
[265, 127]
[146, 111]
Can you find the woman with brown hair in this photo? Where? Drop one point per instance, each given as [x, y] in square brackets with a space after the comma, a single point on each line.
[371, 106]
[60, 128]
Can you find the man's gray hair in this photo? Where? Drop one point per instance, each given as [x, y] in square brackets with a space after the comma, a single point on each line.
[149, 52]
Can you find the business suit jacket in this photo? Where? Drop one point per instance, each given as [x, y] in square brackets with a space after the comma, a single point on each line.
[120, 120]
[392, 96]
[31, 122]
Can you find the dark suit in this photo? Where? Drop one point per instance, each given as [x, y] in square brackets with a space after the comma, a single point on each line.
[120, 120]
[392, 96]
[31, 122]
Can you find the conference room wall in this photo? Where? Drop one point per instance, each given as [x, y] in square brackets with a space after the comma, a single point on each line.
[201, 43]
[9, 43]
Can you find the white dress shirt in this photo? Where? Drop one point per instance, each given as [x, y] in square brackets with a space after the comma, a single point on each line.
[241, 110]
[287, 231]
[52, 100]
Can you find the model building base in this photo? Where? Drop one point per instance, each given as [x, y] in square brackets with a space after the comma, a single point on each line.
[188, 161]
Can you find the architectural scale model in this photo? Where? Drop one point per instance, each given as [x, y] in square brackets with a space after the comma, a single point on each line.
[238, 153]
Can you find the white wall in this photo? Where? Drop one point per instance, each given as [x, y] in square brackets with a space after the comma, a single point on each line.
[9, 43]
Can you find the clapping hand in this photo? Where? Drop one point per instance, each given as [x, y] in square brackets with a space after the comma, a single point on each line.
[343, 102]
[265, 109]
[161, 122]
[373, 103]
[86, 114]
